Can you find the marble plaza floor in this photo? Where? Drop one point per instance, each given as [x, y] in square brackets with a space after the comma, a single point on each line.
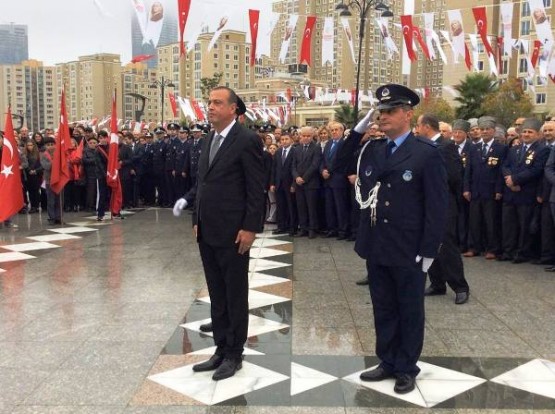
[104, 318]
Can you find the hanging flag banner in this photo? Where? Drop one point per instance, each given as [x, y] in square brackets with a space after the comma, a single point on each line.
[266, 25]
[140, 12]
[418, 36]
[383, 24]
[432, 38]
[173, 104]
[289, 29]
[482, 26]
[526, 51]
[327, 41]
[349, 36]
[475, 53]
[141, 58]
[183, 7]
[154, 23]
[542, 24]
[408, 31]
[457, 37]
[507, 22]
[254, 16]
[222, 25]
[306, 55]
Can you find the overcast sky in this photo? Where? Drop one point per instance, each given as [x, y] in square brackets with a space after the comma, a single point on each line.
[62, 30]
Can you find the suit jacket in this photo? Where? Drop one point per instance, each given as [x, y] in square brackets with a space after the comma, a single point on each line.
[453, 165]
[550, 174]
[306, 165]
[281, 171]
[526, 171]
[337, 170]
[229, 193]
[483, 177]
[411, 212]
[465, 153]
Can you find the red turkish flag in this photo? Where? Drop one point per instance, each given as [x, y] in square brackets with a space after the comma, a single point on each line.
[536, 53]
[307, 41]
[11, 190]
[112, 173]
[59, 176]
[198, 111]
[482, 26]
[408, 31]
[416, 33]
[500, 41]
[183, 8]
[173, 103]
[467, 59]
[253, 21]
[141, 58]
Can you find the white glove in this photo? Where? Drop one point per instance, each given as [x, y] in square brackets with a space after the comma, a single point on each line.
[426, 263]
[362, 125]
[179, 206]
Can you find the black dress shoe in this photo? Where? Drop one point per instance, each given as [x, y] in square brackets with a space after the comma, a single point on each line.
[206, 327]
[279, 231]
[519, 259]
[376, 374]
[461, 297]
[351, 238]
[432, 291]
[362, 282]
[227, 369]
[331, 234]
[302, 233]
[504, 258]
[341, 237]
[311, 234]
[550, 269]
[213, 363]
[404, 384]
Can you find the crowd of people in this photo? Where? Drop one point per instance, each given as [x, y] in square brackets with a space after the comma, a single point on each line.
[503, 206]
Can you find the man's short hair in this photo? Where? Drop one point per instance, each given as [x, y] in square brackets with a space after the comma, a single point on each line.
[431, 120]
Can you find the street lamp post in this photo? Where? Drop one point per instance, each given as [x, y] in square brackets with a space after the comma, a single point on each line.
[162, 84]
[363, 7]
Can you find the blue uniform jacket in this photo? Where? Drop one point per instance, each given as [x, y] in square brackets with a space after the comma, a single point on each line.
[412, 201]
[483, 176]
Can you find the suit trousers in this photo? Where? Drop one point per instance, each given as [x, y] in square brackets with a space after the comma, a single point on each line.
[462, 225]
[547, 233]
[307, 207]
[286, 212]
[53, 204]
[337, 210]
[517, 240]
[226, 273]
[355, 212]
[484, 226]
[398, 300]
[448, 266]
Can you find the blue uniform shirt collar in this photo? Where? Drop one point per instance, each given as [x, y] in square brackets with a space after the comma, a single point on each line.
[399, 140]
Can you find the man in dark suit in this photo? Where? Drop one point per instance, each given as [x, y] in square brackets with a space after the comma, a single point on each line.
[448, 267]
[282, 185]
[402, 188]
[550, 177]
[229, 196]
[483, 189]
[336, 185]
[523, 171]
[306, 162]
[547, 229]
[461, 129]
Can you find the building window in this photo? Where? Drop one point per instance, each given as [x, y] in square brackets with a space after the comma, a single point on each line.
[525, 9]
[540, 98]
[547, 3]
[480, 66]
[525, 27]
[523, 65]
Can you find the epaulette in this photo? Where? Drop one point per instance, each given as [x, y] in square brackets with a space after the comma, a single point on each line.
[426, 141]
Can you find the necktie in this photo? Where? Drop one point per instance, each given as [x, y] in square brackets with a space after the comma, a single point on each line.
[522, 153]
[389, 148]
[214, 148]
[283, 156]
[484, 150]
[332, 149]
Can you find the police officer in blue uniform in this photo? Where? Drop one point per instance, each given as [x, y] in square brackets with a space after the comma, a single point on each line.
[402, 190]
[195, 145]
[158, 166]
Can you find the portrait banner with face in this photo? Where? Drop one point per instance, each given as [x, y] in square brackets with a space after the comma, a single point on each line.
[457, 33]
[349, 36]
[327, 41]
[154, 24]
[542, 23]
[383, 24]
[507, 22]
[289, 29]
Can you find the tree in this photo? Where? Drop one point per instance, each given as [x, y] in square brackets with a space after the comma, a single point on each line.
[346, 115]
[473, 89]
[437, 106]
[207, 84]
[508, 103]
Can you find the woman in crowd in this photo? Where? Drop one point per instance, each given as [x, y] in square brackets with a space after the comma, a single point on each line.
[39, 140]
[33, 173]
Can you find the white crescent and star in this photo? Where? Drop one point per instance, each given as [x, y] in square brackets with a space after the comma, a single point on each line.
[7, 170]
[406, 29]
[8, 145]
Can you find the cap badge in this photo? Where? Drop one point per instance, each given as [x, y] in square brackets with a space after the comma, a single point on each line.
[385, 92]
[407, 175]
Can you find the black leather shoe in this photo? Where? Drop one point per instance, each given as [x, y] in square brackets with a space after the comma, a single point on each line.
[504, 258]
[432, 291]
[302, 233]
[213, 363]
[362, 282]
[461, 297]
[311, 234]
[351, 238]
[550, 269]
[376, 374]
[227, 369]
[519, 259]
[279, 231]
[206, 327]
[342, 237]
[404, 384]
[331, 234]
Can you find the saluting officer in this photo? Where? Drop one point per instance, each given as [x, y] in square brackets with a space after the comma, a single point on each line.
[402, 189]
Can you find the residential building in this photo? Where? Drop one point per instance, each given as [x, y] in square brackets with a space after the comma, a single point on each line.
[14, 44]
